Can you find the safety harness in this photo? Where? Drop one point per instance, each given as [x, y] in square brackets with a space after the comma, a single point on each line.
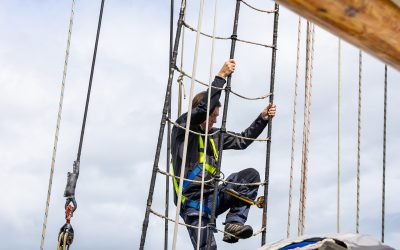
[194, 173]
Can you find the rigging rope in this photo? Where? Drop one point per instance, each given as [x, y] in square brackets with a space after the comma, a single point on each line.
[338, 139]
[53, 158]
[207, 128]
[201, 227]
[359, 139]
[384, 158]
[185, 145]
[306, 129]
[294, 125]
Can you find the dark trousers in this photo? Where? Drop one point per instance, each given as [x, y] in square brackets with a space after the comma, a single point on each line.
[238, 210]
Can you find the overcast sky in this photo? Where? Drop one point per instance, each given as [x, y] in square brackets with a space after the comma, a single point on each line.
[125, 111]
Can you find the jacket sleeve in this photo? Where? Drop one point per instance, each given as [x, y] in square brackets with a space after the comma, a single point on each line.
[199, 113]
[253, 131]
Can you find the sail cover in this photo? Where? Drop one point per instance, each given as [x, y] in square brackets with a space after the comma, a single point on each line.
[331, 242]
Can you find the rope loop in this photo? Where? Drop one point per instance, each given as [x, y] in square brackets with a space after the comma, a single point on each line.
[257, 9]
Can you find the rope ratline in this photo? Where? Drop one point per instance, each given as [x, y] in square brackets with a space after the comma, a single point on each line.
[228, 38]
[259, 10]
[183, 73]
[198, 227]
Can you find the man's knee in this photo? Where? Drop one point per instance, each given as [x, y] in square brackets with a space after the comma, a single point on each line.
[250, 174]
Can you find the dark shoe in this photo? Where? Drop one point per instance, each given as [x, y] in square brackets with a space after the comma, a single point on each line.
[236, 231]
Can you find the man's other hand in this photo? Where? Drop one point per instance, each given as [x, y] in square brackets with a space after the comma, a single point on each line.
[269, 111]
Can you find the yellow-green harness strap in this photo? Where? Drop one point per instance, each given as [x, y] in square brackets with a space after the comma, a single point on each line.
[208, 167]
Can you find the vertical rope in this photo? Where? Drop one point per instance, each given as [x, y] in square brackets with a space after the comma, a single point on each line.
[53, 158]
[304, 143]
[167, 103]
[207, 128]
[306, 129]
[185, 146]
[294, 125]
[338, 139]
[359, 140]
[269, 133]
[171, 28]
[312, 28]
[384, 158]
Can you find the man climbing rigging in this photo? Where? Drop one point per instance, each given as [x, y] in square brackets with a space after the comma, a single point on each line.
[235, 227]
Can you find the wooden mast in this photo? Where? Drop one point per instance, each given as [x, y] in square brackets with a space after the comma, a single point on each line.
[372, 25]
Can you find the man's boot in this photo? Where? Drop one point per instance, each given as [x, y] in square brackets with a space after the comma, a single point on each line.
[236, 231]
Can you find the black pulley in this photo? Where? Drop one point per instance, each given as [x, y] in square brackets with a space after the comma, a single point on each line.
[65, 237]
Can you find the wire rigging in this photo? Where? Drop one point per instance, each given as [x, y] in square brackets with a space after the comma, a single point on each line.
[269, 133]
[168, 158]
[58, 123]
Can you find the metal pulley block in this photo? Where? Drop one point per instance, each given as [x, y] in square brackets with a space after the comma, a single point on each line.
[65, 237]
